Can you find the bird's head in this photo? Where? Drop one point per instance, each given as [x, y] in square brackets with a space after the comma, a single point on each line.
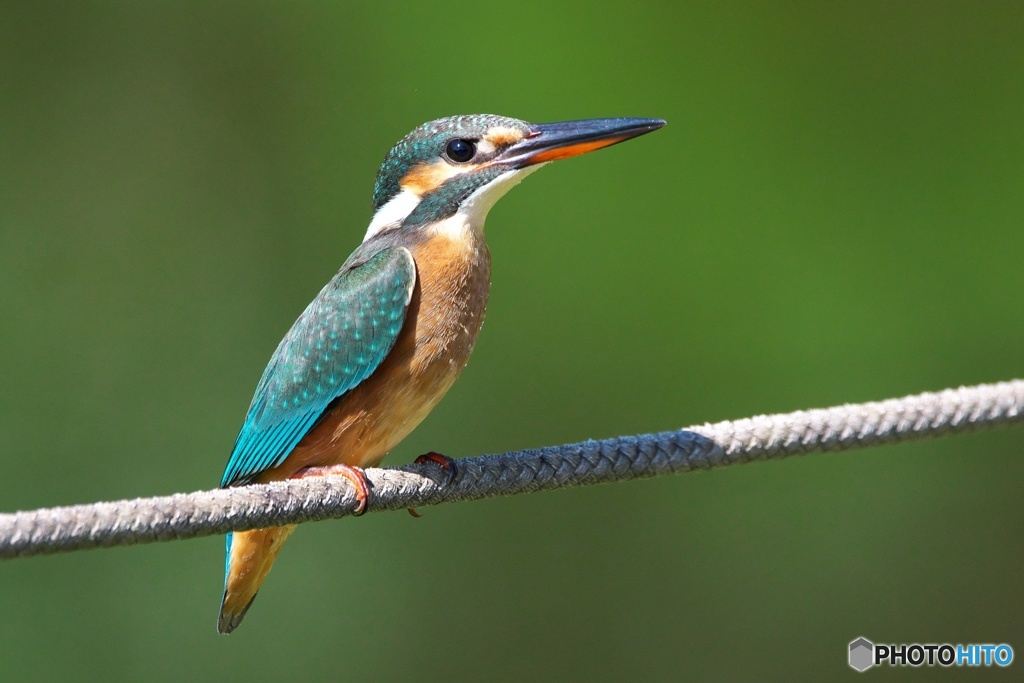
[463, 164]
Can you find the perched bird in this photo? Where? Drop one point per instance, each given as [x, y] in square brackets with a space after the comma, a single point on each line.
[385, 339]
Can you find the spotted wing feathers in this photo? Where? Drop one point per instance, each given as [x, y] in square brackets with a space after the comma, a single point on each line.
[337, 342]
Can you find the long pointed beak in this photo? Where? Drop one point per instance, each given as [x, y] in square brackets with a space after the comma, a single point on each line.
[552, 141]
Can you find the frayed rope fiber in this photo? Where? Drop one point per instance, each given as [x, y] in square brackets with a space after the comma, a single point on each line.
[189, 515]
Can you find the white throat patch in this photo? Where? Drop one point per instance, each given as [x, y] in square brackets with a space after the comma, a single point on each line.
[469, 219]
[475, 207]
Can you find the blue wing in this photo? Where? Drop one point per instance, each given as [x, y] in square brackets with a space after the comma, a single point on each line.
[337, 342]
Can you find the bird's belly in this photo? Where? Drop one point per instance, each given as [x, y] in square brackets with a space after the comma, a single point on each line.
[442, 325]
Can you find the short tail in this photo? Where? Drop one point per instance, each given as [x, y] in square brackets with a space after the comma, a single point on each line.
[250, 554]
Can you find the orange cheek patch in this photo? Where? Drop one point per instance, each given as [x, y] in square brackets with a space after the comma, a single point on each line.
[425, 178]
[573, 150]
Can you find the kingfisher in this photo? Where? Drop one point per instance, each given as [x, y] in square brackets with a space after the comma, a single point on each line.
[385, 339]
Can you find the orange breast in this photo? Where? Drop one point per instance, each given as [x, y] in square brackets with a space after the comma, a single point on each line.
[441, 328]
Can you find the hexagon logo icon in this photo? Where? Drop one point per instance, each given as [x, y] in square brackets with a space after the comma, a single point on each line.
[862, 654]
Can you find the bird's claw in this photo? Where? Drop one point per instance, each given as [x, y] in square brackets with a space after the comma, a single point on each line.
[442, 461]
[355, 475]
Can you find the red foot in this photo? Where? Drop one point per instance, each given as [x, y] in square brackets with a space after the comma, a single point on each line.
[355, 475]
[443, 461]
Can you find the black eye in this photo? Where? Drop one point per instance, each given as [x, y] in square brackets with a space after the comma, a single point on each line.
[460, 150]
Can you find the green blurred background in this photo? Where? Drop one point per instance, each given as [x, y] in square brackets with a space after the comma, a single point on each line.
[832, 215]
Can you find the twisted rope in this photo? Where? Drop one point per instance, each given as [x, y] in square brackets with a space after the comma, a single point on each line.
[166, 518]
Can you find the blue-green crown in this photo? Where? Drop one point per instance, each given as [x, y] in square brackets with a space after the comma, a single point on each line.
[426, 143]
